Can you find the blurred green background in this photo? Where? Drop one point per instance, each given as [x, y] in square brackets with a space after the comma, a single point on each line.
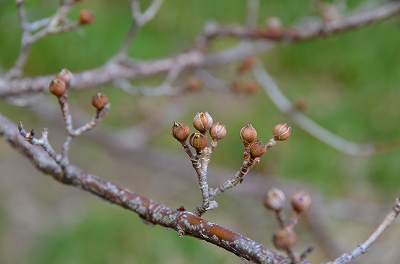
[349, 84]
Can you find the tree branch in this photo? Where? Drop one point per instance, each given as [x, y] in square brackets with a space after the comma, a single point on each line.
[309, 31]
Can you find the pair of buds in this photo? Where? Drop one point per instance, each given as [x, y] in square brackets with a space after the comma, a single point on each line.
[60, 84]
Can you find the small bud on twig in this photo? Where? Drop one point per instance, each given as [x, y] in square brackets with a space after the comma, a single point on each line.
[301, 201]
[257, 149]
[281, 132]
[194, 84]
[86, 17]
[198, 141]
[180, 131]
[202, 122]
[248, 134]
[250, 87]
[217, 131]
[99, 101]
[284, 239]
[57, 87]
[66, 76]
[247, 64]
[274, 199]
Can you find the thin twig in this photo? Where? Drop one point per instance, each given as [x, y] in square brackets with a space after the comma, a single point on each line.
[139, 20]
[362, 248]
[309, 32]
[315, 130]
[43, 141]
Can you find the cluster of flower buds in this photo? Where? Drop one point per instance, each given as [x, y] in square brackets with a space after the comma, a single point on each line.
[61, 83]
[247, 87]
[202, 122]
[240, 84]
[59, 87]
[274, 200]
[248, 135]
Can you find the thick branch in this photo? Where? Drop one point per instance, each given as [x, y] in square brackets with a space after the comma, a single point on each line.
[103, 75]
[184, 222]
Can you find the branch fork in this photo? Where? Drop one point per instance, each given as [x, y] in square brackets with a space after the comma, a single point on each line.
[58, 87]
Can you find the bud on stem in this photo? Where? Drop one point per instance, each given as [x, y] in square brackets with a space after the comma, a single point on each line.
[202, 122]
[281, 132]
[198, 141]
[180, 131]
[248, 134]
[57, 87]
[99, 101]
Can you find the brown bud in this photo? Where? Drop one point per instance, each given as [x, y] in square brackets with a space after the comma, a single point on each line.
[257, 149]
[274, 199]
[236, 86]
[217, 131]
[65, 75]
[99, 101]
[86, 17]
[250, 87]
[202, 122]
[301, 104]
[198, 141]
[248, 134]
[180, 131]
[57, 87]
[281, 131]
[247, 64]
[301, 201]
[285, 239]
[194, 84]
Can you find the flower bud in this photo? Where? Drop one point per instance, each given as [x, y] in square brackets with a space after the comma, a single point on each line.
[57, 87]
[248, 134]
[194, 84]
[180, 131]
[217, 131]
[257, 149]
[247, 64]
[274, 199]
[284, 239]
[202, 122]
[250, 87]
[198, 141]
[65, 75]
[236, 86]
[86, 17]
[99, 101]
[281, 132]
[301, 201]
